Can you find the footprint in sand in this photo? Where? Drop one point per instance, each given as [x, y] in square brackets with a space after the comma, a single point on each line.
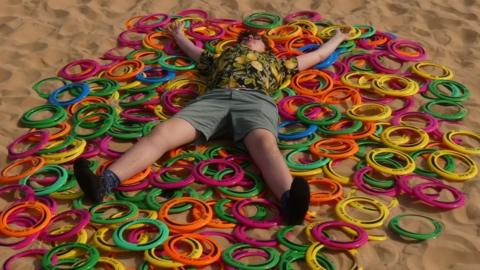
[5, 75]
[397, 9]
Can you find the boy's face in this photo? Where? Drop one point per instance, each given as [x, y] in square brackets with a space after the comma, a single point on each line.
[254, 42]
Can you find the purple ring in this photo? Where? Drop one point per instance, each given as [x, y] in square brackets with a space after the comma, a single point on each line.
[402, 182]
[431, 200]
[393, 44]
[291, 116]
[408, 103]
[227, 236]
[240, 253]
[143, 25]
[91, 150]
[104, 148]
[358, 180]
[26, 241]
[42, 142]
[168, 96]
[374, 59]
[310, 14]
[238, 205]
[83, 63]
[123, 41]
[317, 233]
[83, 220]
[129, 115]
[27, 253]
[201, 13]
[241, 235]
[48, 201]
[135, 187]
[27, 191]
[169, 185]
[237, 176]
[432, 122]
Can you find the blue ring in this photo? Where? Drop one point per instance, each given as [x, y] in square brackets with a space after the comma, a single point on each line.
[295, 135]
[330, 60]
[53, 96]
[167, 77]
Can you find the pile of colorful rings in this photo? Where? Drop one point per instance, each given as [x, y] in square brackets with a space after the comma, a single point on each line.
[356, 106]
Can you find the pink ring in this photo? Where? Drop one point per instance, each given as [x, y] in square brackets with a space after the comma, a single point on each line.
[169, 185]
[358, 180]
[41, 142]
[83, 63]
[83, 220]
[237, 213]
[240, 233]
[310, 14]
[361, 237]
[228, 181]
[431, 200]
[432, 122]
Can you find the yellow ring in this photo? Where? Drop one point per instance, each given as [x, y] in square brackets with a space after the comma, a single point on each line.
[340, 210]
[409, 166]
[384, 112]
[418, 133]
[447, 73]
[448, 140]
[435, 167]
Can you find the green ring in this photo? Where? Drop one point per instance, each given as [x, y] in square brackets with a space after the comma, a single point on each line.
[456, 116]
[59, 115]
[249, 193]
[459, 92]
[163, 62]
[93, 257]
[394, 225]
[45, 190]
[323, 122]
[302, 167]
[37, 85]
[272, 261]
[96, 218]
[161, 237]
[275, 20]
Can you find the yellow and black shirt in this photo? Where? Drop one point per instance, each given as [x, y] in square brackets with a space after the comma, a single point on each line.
[241, 67]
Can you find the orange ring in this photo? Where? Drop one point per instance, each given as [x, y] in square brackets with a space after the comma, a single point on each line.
[130, 181]
[42, 222]
[37, 163]
[149, 40]
[72, 109]
[206, 214]
[137, 68]
[368, 128]
[65, 128]
[330, 96]
[335, 190]
[214, 222]
[130, 23]
[304, 76]
[346, 147]
[215, 250]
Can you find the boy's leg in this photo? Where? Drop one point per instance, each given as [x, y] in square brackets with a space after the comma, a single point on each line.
[293, 194]
[165, 136]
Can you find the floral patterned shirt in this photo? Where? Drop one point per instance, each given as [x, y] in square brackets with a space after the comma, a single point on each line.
[241, 67]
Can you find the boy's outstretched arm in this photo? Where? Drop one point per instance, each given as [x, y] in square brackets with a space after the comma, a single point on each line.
[310, 59]
[187, 46]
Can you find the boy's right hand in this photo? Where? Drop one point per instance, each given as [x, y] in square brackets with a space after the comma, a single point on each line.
[175, 28]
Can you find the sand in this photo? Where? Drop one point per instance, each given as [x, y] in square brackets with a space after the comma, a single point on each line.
[39, 37]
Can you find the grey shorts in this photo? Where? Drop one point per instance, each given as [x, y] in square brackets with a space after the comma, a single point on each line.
[230, 114]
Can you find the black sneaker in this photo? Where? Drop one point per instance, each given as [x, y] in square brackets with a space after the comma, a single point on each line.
[296, 205]
[89, 182]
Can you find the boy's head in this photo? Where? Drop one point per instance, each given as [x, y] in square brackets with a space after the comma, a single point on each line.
[253, 40]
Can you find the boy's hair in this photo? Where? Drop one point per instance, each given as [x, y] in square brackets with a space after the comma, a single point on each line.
[245, 33]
